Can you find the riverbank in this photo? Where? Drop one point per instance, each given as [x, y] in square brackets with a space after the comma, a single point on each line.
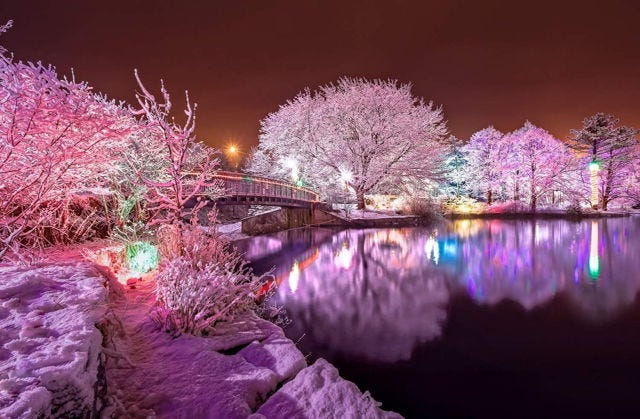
[390, 219]
[81, 344]
[540, 215]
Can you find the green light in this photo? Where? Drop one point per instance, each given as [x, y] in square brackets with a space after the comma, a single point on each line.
[594, 267]
[142, 256]
[594, 256]
[594, 166]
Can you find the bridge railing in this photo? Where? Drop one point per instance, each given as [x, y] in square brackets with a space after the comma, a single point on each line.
[242, 184]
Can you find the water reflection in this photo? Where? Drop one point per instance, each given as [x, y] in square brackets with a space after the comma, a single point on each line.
[377, 294]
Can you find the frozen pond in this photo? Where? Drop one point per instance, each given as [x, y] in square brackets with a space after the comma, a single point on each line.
[470, 318]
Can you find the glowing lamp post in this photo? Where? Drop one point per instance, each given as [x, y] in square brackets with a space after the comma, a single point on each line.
[292, 164]
[594, 168]
[233, 154]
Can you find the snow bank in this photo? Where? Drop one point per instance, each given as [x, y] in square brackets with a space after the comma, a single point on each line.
[225, 375]
[49, 344]
[371, 214]
[319, 392]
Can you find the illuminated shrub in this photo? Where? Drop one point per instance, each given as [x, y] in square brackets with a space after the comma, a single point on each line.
[207, 283]
[141, 256]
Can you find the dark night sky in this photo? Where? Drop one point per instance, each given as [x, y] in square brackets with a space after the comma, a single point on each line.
[498, 62]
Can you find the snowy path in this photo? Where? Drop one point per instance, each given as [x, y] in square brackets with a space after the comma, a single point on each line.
[190, 376]
[52, 317]
[239, 371]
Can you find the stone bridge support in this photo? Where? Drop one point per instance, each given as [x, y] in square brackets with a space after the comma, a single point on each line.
[286, 218]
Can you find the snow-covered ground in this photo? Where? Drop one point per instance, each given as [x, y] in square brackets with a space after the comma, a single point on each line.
[55, 362]
[369, 214]
[227, 375]
[231, 231]
[49, 343]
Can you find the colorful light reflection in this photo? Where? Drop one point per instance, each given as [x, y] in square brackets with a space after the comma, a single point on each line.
[432, 249]
[294, 276]
[594, 257]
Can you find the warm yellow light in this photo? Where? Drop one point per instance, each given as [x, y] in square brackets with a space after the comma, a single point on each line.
[232, 149]
[594, 168]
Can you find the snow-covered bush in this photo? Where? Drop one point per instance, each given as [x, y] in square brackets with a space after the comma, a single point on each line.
[206, 283]
[421, 206]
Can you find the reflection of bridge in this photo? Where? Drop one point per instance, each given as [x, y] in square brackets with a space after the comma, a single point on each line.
[244, 189]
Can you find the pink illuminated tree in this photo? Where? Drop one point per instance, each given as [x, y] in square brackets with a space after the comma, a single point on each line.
[487, 154]
[538, 164]
[57, 139]
[355, 134]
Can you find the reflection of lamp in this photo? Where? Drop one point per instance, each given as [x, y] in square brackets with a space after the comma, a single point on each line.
[594, 258]
[432, 249]
[294, 276]
[343, 258]
[594, 168]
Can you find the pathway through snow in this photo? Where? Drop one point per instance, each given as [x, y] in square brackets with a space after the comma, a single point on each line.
[229, 375]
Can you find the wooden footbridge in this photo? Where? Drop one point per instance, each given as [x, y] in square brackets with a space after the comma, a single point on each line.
[245, 189]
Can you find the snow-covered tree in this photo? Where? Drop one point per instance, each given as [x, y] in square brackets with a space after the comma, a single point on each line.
[57, 139]
[355, 134]
[538, 163]
[487, 154]
[455, 164]
[182, 183]
[612, 148]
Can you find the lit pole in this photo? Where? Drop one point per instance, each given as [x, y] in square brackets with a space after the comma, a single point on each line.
[594, 168]
[233, 154]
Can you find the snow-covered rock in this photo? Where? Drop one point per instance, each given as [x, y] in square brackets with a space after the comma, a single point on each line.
[318, 391]
[49, 343]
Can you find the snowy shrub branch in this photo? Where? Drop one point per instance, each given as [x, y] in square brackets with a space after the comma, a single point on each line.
[207, 282]
[183, 183]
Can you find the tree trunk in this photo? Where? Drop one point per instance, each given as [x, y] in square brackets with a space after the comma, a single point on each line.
[534, 197]
[534, 202]
[489, 194]
[360, 199]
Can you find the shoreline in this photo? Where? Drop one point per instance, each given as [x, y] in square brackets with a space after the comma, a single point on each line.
[417, 221]
[537, 215]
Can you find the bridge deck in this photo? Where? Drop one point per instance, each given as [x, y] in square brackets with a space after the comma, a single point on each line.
[244, 189]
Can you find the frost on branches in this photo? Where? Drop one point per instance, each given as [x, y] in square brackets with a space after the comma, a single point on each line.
[57, 139]
[486, 153]
[182, 185]
[538, 164]
[354, 134]
[614, 149]
[207, 282]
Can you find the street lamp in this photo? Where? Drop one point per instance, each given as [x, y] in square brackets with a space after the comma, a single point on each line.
[233, 154]
[594, 168]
